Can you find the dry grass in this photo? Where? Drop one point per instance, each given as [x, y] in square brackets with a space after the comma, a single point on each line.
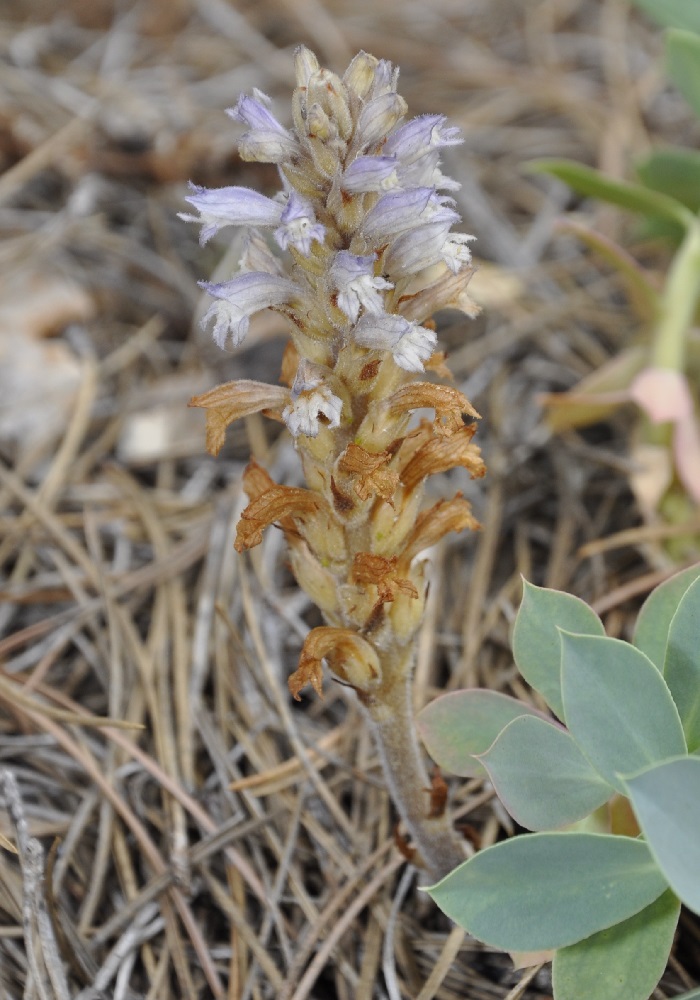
[210, 839]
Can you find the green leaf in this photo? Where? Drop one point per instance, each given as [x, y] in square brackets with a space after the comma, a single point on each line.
[536, 644]
[666, 801]
[654, 619]
[682, 663]
[541, 776]
[672, 13]
[458, 725]
[595, 184]
[617, 706]
[673, 171]
[548, 890]
[626, 960]
[683, 64]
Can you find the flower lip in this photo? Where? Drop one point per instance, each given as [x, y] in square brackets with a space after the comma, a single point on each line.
[357, 285]
[414, 348]
[312, 399]
[455, 251]
[299, 226]
[410, 344]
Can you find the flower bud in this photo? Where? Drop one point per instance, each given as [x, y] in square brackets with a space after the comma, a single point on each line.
[328, 90]
[305, 65]
[377, 119]
[360, 74]
[315, 579]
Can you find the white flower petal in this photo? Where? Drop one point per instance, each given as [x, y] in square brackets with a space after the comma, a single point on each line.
[357, 286]
[409, 343]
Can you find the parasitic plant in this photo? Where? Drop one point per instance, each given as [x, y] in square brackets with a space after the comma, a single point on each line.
[356, 251]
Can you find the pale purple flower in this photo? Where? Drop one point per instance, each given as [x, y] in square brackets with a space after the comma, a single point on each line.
[357, 285]
[421, 135]
[410, 344]
[395, 212]
[299, 226]
[370, 173]
[241, 297]
[455, 252]
[417, 248]
[400, 211]
[230, 206]
[417, 145]
[267, 141]
[311, 399]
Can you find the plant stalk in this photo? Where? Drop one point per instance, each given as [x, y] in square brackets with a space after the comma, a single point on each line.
[391, 712]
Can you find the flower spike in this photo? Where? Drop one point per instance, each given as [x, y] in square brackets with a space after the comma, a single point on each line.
[355, 253]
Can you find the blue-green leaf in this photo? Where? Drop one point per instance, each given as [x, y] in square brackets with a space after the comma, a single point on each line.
[536, 644]
[682, 663]
[549, 890]
[541, 776]
[683, 64]
[672, 13]
[624, 961]
[618, 707]
[666, 801]
[633, 197]
[654, 619]
[673, 171]
[460, 724]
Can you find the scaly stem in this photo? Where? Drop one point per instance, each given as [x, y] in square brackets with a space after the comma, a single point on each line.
[391, 712]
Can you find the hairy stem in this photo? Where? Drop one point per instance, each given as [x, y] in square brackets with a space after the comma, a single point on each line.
[391, 712]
